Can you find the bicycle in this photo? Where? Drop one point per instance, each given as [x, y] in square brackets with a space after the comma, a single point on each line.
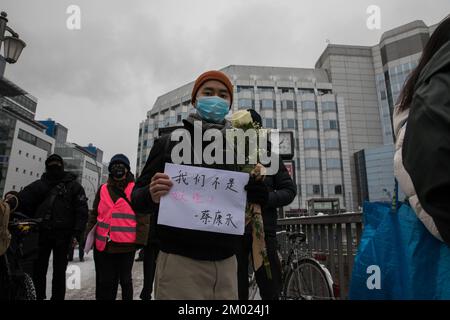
[303, 277]
[17, 282]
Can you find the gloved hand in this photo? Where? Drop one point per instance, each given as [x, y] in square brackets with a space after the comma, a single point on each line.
[257, 192]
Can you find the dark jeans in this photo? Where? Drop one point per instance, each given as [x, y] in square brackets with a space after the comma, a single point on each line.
[58, 243]
[150, 254]
[112, 269]
[269, 289]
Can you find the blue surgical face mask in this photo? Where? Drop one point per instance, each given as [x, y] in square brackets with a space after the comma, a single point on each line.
[213, 109]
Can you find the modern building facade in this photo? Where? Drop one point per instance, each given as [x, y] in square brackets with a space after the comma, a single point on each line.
[56, 130]
[84, 162]
[24, 145]
[370, 80]
[336, 110]
[375, 174]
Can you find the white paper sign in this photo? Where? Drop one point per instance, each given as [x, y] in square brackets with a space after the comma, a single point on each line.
[204, 199]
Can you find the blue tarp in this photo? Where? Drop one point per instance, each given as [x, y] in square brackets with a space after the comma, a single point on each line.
[412, 263]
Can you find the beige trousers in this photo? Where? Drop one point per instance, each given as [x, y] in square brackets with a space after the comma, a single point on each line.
[182, 278]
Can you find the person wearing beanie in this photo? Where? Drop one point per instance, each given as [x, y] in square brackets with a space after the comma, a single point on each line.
[60, 201]
[192, 264]
[117, 232]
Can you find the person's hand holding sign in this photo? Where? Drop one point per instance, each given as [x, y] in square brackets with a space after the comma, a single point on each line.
[160, 186]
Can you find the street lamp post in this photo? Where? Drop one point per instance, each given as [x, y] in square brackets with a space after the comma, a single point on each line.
[12, 45]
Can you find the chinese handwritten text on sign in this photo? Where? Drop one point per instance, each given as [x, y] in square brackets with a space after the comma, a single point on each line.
[204, 199]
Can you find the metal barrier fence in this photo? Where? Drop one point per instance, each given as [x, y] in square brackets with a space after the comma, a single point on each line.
[331, 239]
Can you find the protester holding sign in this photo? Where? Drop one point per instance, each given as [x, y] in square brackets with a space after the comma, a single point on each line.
[194, 264]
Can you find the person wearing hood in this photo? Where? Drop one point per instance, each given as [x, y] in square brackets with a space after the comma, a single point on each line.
[60, 201]
[422, 131]
[116, 232]
[193, 264]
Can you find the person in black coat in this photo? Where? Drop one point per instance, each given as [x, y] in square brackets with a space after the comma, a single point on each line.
[185, 254]
[282, 192]
[60, 201]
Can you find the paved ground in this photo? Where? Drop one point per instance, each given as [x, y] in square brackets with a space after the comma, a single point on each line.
[87, 272]
[87, 277]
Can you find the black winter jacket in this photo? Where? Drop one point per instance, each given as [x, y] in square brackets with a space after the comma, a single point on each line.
[70, 210]
[282, 192]
[194, 244]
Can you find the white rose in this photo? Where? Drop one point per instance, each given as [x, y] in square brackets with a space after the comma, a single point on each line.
[241, 118]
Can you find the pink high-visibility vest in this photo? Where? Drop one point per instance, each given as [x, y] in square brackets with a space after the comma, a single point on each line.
[116, 222]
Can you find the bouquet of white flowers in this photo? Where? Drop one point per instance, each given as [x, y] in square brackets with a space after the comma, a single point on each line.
[243, 120]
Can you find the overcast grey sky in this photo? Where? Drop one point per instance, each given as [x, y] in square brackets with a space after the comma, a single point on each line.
[101, 80]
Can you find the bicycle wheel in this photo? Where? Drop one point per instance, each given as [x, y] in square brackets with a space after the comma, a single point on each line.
[308, 281]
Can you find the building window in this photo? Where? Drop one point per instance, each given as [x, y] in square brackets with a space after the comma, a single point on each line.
[330, 125]
[178, 118]
[286, 90]
[266, 89]
[269, 123]
[287, 105]
[17, 169]
[313, 189]
[20, 151]
[31, 173]
[311, 143]
[331, 144]
[14, 187]
[321, 92]
[245, 89]
[24, 171]
[309, 106]
[245, 104]
[328, 106]
[267, 104]
[288, 124]
[333, 163]
[312, 163]
[338, 189]
[37, 175]
[92, 167]
[302, 91]
[32, 139]
[310, 124]
[316, 189]
[145, 143]
[40, 159]
[34, 157]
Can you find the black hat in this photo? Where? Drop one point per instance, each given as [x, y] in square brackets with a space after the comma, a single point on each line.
[54, 158]
[119, 158]
[255, 117]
